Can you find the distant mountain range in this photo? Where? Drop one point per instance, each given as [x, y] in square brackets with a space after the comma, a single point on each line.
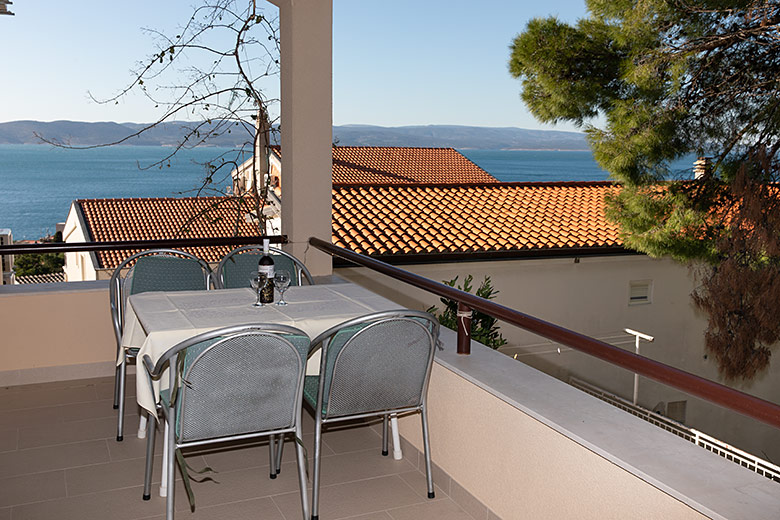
[169, 134]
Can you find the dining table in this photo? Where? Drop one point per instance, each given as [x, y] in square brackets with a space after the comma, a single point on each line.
[157, 321]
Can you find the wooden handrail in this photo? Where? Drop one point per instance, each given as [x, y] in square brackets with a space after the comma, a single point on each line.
[745, 404]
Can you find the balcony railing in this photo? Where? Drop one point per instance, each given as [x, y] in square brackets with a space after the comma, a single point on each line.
[746, 404]
[126, 245]
[692, 384]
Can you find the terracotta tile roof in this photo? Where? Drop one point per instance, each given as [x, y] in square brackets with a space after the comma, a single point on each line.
[163, 218]
[41, 278]
[384, 220]
[436, 219]
[403, 165]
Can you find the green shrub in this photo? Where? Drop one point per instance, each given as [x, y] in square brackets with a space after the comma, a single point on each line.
[483, 327]
[43, 263]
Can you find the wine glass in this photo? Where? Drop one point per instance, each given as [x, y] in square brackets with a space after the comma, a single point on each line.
[258, 282]
[281, 282]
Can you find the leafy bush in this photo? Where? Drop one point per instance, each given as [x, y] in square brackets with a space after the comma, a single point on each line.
[483, 327]
[44, 263]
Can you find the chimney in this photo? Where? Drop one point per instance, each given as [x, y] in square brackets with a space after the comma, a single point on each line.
[701, 167]
[4, 7]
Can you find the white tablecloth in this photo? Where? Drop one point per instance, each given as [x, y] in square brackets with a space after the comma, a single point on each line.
[156, 321]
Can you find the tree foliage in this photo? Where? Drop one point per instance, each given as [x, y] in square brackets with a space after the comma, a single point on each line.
[668, 78]
[741, 292]
[484, 328]
[46, 263]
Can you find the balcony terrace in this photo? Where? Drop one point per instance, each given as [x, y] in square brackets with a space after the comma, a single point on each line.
[507, 442]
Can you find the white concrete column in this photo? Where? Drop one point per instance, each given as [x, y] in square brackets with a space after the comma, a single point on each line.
[306, 30]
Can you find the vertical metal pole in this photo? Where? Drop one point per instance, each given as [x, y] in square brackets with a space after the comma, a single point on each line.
[464, 329]
[638, 336]
[636, 376]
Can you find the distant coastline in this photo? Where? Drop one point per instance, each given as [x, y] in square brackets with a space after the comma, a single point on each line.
[466, 148]
[78, 133]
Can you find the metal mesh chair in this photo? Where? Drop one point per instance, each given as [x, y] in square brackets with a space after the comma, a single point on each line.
[229, 384]
[152, 270]
[235, 269]
[375, 365]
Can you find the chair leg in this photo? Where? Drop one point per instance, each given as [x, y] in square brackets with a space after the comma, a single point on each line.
[315, 491]
[299, 455]
[120, 425]
[164, 479]
[279, 450]
[116, 388]
[151, 427]
[272, 454]
[171, 467]
[142, 423]
[397, 453]
[427, 449]
[384, 436]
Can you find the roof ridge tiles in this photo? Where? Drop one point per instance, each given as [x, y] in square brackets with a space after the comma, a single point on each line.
[122, 199]
[494, 185]
[377, 147]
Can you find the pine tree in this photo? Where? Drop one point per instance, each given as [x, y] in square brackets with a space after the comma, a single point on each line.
[668, 79]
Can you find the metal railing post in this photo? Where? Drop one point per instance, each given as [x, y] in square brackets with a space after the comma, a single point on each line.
[464, 329]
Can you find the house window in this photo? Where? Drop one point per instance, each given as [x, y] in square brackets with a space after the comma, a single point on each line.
[640, 292]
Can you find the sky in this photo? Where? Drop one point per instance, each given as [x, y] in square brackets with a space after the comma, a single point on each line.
[395, 63]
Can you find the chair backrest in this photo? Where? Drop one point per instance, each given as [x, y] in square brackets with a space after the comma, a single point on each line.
[159, 272]
[235, 269]
[377, 362]
[155, 270]
[241, 381]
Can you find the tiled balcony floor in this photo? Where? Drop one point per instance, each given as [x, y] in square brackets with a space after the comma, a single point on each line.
[59, 460]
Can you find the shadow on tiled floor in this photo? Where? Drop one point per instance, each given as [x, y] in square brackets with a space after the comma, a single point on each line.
[59, 460]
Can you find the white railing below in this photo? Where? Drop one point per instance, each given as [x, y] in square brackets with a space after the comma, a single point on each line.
[725, 450]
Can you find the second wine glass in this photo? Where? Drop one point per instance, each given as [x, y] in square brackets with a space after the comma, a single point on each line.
[281, 282]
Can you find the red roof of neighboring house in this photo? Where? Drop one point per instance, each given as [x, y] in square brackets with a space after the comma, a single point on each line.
[41, 278]
[506, 217]
[163, 218]
[403, 165]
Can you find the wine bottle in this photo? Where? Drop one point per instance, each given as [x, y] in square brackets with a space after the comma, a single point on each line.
[266, 266]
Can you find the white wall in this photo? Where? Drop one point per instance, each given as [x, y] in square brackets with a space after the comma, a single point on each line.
[79, 266]
[591, 296]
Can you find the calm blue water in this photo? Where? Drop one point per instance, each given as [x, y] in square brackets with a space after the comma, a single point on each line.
[548, 166]
[38, 182]
[536, 166]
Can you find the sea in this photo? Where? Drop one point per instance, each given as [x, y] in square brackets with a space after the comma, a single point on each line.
[39, 182]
